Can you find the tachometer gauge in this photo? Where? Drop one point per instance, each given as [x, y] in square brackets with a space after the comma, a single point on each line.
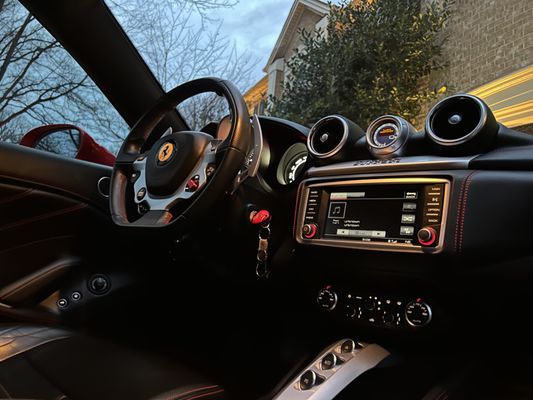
[292, 164]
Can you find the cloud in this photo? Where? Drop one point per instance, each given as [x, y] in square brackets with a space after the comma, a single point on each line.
[254, 26]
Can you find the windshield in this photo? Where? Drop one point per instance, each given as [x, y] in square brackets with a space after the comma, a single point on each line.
[305, 59]
[184, 40]
[296, 59]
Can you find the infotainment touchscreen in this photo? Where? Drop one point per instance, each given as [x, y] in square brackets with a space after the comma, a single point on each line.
[383, 213]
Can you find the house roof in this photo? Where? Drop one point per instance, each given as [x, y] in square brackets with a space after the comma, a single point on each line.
[291, 25]
[259, 87]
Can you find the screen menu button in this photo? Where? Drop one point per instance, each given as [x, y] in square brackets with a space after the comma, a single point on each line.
[407, 230]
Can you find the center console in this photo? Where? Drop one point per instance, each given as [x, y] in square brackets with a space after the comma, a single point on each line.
[334, 369]
[392, 214]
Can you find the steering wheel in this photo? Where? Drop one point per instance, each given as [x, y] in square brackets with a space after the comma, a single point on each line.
[183, 173]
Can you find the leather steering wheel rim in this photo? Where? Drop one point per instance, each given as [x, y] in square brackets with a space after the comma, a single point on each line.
[235, 149]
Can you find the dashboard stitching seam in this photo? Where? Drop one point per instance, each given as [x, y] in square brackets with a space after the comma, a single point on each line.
[456, 241]
[468, 181]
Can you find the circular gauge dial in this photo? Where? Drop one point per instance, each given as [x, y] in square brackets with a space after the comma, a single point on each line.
[295, 168]
[292, 164]
[386, 135]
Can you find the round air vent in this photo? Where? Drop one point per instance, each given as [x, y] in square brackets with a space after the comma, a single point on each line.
[461, 120]
[333, 138]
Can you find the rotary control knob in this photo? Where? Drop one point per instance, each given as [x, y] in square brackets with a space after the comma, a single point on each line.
[427, 236]
[418, 313]
[99, 284]
[388, 318]
[327, 299]
[309, 231]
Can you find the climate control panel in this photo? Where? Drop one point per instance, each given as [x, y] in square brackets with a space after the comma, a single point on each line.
[376, 310]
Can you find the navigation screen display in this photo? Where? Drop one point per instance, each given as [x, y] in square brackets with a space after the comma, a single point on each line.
[392, 213]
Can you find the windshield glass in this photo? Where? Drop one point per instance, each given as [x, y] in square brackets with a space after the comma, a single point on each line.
[305, 59]
[295, 59]
[188, 39]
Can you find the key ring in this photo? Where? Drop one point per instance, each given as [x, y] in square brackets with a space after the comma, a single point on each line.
[264, 232]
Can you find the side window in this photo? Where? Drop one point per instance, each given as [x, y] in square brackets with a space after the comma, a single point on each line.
[41, 84]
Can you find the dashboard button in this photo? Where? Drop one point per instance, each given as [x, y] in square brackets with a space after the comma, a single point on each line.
[328, 361]
[62, 303]
[409, 206]
[408, 218]
[141, 193]
[349, 346]
[407, 230]
[307, 380]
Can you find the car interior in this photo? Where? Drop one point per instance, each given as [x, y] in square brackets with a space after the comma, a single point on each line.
[261, 259]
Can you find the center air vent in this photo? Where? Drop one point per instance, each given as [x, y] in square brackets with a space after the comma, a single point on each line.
[333, 137]
[461, 120]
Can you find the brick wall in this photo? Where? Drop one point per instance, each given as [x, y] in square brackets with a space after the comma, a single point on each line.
[487, 39]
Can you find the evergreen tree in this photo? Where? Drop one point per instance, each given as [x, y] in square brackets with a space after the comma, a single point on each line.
[374, 57]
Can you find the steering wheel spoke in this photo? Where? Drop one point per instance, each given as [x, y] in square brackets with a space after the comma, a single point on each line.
[127, 159]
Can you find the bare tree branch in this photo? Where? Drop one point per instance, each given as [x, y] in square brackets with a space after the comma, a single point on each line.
[13, 46]
[179, 39]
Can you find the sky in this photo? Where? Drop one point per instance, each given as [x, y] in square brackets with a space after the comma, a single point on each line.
[255, 25]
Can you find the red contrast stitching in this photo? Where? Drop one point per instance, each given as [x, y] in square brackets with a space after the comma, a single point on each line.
[206, 394]
[177, 396]
[463, 211]
[459, 208]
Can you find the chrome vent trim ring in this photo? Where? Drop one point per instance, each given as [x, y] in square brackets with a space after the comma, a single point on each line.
[460, 140]
[316, 130]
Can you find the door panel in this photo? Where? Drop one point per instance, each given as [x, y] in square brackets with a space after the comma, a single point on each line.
[50, 211]
[39, 169]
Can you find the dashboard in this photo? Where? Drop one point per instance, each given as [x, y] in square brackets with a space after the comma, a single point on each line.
[378, 214]
[391, 187]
